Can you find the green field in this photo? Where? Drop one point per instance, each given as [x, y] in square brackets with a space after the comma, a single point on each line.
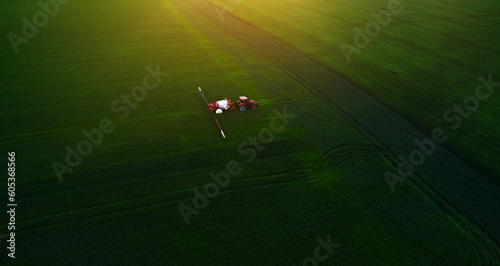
[318, 172]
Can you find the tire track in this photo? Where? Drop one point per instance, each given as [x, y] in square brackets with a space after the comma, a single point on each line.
[339, 154]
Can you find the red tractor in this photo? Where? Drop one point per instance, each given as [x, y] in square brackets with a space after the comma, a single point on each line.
[225, 105]
[244, 103]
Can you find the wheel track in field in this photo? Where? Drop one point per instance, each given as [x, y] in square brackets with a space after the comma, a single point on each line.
[339, 154]
[362, 124]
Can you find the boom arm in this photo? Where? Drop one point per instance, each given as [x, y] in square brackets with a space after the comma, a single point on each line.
[215, 118]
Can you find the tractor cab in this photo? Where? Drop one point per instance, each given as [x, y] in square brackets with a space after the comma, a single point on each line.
[244, 103]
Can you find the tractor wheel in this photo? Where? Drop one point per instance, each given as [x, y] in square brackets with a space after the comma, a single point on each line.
[254, 106]
[242, 108]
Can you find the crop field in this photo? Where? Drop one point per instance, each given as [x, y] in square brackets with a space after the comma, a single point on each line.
[373, 142]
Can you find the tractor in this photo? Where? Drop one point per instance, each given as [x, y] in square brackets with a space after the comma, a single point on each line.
[244, 103]
[225, 105]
